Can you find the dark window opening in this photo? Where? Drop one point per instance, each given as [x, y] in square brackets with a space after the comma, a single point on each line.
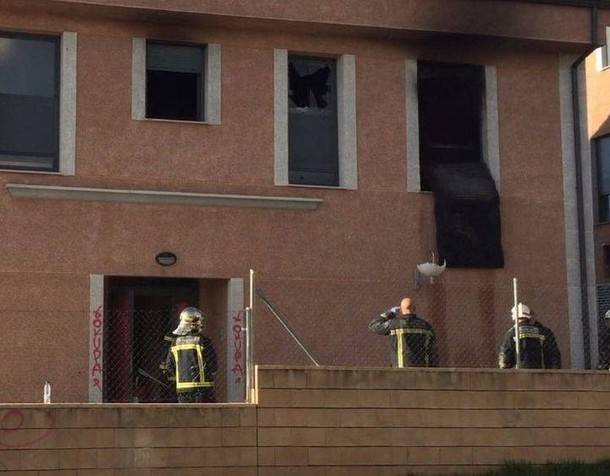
[466, 202]
[450, 105]
[174, 82]
[29, 102]
[312, 121]
[602, 150]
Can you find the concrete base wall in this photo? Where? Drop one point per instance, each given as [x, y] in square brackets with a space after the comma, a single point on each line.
[326, 421]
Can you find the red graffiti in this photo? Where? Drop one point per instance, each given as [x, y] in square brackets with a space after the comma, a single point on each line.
[13, 434]
[237, 369]
[97, 324]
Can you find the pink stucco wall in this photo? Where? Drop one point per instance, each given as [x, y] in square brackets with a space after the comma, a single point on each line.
[329, 270]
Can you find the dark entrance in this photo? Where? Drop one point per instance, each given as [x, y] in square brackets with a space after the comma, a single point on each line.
[139, 313]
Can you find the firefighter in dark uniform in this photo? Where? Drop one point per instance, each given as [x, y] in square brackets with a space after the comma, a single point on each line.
[412, 339]
[604, 344]
[537, 345]
[191, 360]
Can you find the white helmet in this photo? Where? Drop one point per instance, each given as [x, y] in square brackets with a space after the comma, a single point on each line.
[523, 311]
[191, 319]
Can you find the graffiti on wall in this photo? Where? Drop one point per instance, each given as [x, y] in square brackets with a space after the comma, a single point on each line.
[97, 331]
[237, 349]
[15, 433]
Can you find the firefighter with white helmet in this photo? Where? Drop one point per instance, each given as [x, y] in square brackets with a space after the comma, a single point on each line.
[191, 359]
[537, 345]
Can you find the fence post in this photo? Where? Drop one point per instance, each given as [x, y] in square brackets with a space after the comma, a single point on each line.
[516, 319]
[250, 382]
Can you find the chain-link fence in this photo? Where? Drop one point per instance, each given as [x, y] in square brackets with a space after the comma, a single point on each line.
[135, 355]
[469, 314]
[297, 322]
[603, 306]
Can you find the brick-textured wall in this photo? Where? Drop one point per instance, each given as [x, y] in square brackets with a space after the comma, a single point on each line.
[113, 440]
[391, 422]
[325, 421]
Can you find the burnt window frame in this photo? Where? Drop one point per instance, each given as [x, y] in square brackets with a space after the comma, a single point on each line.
[599, 219]
[201, 87]
[478, 77]
[334, 180]
[55, 167]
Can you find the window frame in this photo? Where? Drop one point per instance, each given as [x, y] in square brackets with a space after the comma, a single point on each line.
[596, 159]
[212, 81]
[57, 39]
[346, 120]
[332, 113]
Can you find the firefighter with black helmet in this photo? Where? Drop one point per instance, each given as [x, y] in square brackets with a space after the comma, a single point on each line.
[412, 339]
[538, 348]
[191, 359]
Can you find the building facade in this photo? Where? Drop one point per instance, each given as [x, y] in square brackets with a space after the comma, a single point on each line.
[298, 139]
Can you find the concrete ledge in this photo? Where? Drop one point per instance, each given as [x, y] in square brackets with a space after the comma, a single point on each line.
[451, 379]
[156, 197]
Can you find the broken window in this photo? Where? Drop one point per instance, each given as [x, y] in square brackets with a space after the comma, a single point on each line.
[466, 201]
[312, 121]
[174, 81]
[602, 148]
[29, 102]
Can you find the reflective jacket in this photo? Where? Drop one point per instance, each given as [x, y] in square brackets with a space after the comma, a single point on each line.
[191, 360]
[537, 348]
[411, 338]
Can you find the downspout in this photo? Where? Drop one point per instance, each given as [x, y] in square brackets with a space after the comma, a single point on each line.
[584, 283]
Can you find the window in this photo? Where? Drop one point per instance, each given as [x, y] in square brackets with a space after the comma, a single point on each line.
[312, 121]
[29, 102]
[450, 101]
[457, 124]
[174, 82]
[315, 121]
[602, 150]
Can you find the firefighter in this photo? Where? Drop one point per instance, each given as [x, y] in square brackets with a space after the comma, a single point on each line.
[411, 338]
[604, 344]
[191, 359]
[537, 345]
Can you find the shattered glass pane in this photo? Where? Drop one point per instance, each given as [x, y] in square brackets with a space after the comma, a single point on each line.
[309, 83]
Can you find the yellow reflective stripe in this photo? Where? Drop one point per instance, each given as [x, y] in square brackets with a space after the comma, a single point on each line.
[188, 385]
[527, 335]
[411, 331]
[399, 349]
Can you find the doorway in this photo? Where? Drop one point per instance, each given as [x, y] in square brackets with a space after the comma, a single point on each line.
[140, 312]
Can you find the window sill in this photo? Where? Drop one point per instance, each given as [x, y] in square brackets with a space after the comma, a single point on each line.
[323, 187]
[161, 197]
[178, 121]
[33, 172]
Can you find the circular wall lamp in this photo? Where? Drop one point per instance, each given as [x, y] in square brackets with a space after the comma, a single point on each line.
[166, 258]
